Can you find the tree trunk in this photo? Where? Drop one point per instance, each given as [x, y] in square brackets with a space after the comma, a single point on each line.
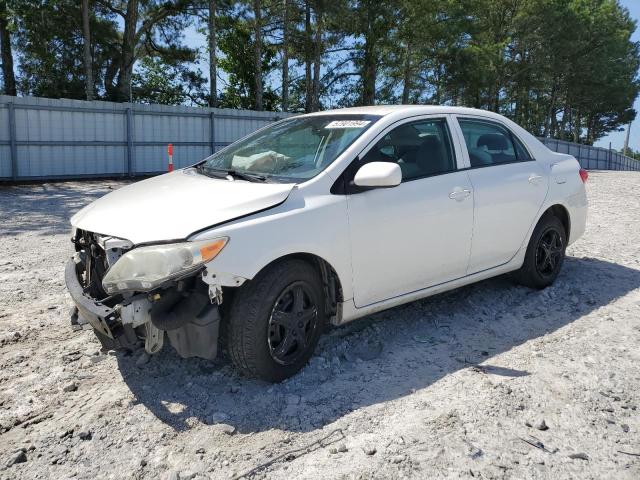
[553, 131]
[8, 76]
[406, 86]
[257, 51]
[307, 58]
[285, 57]
[213, 58]
[566, 113]
[439, 87]
[577, 127]
[590, 124]
[317, 53]
[88, 61]
[127, 57]
[496, 96]
[369, 73]
[548, 121]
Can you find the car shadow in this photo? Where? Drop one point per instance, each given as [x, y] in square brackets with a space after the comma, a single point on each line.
[405, 349]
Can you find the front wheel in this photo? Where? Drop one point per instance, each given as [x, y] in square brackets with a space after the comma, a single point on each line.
[276, 320]
[545, 254]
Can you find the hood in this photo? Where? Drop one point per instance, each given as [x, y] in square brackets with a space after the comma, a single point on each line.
[175, 205]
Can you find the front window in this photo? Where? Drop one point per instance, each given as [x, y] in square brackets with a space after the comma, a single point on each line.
[421, 148]
[291, 150]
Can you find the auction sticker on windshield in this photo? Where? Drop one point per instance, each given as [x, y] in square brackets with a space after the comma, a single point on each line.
[348, 124]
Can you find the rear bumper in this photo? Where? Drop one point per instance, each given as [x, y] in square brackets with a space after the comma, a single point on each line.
[578, 207]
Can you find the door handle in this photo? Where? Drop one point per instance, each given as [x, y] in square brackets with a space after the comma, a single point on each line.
[459, 194]
[534, 179]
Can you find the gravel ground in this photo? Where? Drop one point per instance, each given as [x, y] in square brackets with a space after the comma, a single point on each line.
[488, 381]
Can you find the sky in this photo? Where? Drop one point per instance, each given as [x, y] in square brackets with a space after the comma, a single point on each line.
[617, 138]
[197, 40]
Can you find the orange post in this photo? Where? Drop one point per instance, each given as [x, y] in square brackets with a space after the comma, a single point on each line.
[170, 152]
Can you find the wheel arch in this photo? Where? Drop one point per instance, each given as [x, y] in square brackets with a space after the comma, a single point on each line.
[561, 212]
[331, 281]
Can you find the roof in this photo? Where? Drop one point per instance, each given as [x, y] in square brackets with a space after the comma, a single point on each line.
[414, 109]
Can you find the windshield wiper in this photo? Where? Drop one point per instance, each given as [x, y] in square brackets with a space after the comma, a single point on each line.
[230, 172]
[252, 177]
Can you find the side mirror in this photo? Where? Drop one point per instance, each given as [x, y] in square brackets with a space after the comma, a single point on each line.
[378, 175]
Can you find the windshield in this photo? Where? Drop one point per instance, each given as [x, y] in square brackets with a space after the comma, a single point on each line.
[294, 149]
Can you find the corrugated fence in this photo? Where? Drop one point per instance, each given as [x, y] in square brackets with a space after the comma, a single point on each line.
[43, 138]
[593, 158]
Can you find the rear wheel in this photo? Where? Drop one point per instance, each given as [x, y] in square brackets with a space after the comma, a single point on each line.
[275, 321]
[545, 254]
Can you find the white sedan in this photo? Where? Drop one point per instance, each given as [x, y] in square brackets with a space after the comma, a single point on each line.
[321, 219]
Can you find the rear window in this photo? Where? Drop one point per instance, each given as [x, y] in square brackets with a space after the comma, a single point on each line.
[489, 143]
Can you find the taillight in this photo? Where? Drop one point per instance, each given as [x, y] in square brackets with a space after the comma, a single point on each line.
[584, 175]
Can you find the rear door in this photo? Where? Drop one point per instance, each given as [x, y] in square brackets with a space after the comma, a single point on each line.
[509, 189]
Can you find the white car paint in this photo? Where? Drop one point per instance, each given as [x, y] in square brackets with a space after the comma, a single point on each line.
[175, 205]
[503, 192]
[378, 174]
[387, 246]
[409, 237]
[430, 231]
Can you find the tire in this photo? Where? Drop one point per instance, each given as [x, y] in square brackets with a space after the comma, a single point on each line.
[275, 321]
[545, 254]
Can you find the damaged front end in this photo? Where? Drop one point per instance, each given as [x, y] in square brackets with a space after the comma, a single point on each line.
[145, 296]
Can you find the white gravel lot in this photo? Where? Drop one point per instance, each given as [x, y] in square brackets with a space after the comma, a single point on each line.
[456, 386]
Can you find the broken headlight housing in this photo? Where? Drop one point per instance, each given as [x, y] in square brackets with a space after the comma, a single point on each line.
[145, 268]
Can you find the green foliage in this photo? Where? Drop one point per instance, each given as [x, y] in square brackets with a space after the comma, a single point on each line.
[156, 81]
[561, 68]
[49, 36]
[237, 45]
[49, 43]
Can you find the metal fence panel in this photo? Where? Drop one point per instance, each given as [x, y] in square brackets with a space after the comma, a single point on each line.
[5, 148]
[43, 138]
[5, 161]
[593, 158]
[153, 158]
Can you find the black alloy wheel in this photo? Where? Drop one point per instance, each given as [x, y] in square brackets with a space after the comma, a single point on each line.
[549, 252]
[545, 253]
[292, 323]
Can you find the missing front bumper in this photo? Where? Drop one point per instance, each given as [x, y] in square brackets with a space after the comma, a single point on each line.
[195, 336]
[99, 316]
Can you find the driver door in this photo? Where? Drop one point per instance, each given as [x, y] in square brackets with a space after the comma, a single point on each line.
[417, 234]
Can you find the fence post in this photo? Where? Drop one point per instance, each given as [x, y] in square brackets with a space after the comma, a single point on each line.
[129, 113]
[12, 141]
[580, 156]
[212, 132]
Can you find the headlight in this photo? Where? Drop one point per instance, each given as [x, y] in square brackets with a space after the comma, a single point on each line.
[145, 268]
